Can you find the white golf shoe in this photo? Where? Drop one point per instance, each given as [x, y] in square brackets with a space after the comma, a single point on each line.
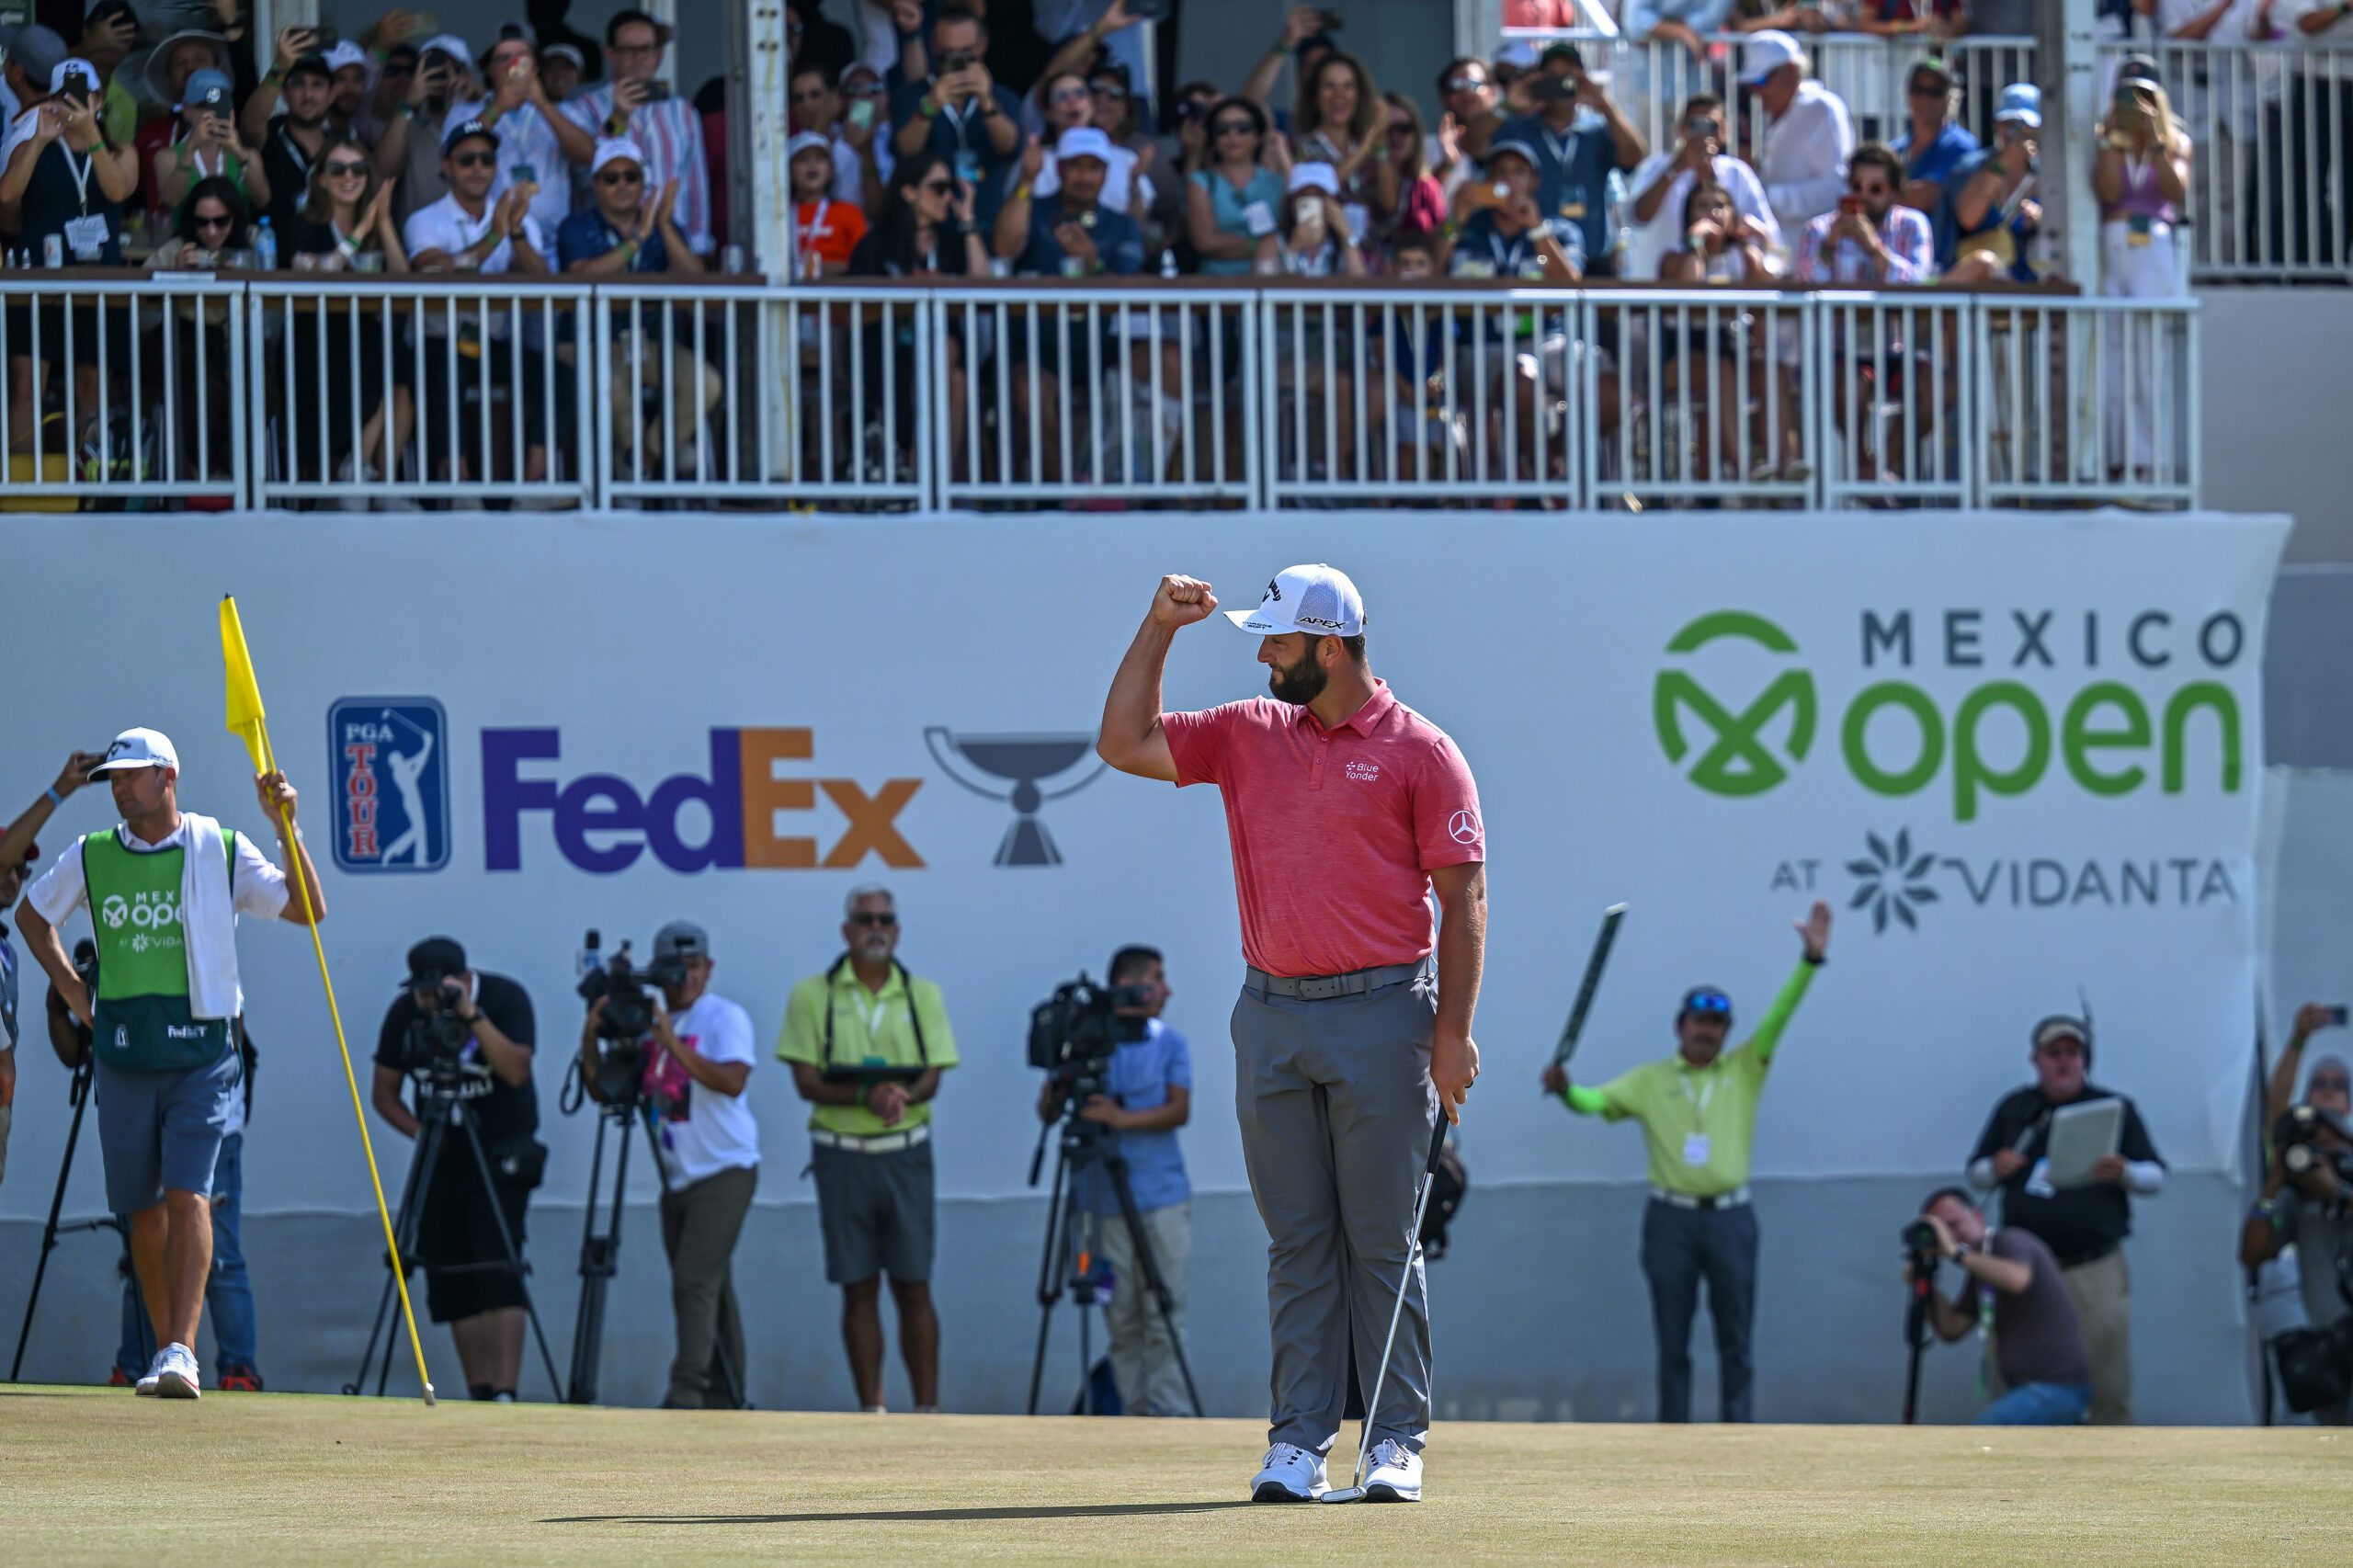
[1290, 1474]
[1397, 1473]
[175, 1374]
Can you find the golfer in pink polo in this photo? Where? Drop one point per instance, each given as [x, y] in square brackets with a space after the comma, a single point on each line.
[1345, 808]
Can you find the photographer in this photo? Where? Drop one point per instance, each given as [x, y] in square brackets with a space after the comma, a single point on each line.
[2084, 1226]
[867, 1042]
[2045, 1366]
[1147, 1095]
[2307, 1203]
[487, 1019]
[698, 1059]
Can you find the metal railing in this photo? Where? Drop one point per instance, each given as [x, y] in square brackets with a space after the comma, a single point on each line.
[389, 394]
[2271, 190]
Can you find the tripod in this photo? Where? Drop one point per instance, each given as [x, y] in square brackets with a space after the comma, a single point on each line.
[1922, 1275]
[600, 1254]
[1063, 1268]
[439, 1108]
[78, 1096]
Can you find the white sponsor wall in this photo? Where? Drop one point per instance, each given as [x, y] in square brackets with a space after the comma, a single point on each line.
[2033, 762]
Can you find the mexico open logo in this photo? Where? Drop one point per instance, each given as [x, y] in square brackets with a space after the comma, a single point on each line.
[1735, 758]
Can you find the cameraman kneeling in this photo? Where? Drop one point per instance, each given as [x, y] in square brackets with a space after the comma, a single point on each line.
[698, 1061]
[1148, 1095]
[470, 1282]
[2307, 1203]
[2040, 1344]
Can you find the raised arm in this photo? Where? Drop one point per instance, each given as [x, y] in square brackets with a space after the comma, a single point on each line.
[1131, 739]
[1813, 931]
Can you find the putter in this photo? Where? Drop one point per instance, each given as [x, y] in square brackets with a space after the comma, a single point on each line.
[1373, 1407]
[1571, 1031]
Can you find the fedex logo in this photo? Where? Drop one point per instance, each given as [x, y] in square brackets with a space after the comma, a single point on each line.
[602, 823]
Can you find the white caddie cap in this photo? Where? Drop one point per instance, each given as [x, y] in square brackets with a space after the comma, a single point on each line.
[139, 748]
[1318, 600]
[612, 149]
[1314, 177]
[1767, 52]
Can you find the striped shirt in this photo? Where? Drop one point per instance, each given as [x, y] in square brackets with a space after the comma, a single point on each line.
[525, 137]
[670, 131]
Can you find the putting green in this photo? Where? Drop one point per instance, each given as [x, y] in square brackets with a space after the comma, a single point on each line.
[96, 1476]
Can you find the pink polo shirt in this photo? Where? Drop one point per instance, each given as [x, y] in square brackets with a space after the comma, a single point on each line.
[1335, 831]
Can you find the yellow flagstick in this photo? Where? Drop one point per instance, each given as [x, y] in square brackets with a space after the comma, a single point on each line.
[247, 722]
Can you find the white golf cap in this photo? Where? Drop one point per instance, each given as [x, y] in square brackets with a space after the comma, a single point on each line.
[1318, 600]
[1767, 52]
[1082, 141]
[612, 149]
[139, 748]
[344, 52]
[1314, 177]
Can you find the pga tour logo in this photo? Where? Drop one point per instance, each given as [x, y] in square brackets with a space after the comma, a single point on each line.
[389, 760]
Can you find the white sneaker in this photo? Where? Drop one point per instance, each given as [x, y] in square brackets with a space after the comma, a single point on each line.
[1288, 1474]
[175, 1374]
[1397, 1473]
[146, 1385]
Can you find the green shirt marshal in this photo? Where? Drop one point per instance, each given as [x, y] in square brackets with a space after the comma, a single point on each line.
[902, 1026]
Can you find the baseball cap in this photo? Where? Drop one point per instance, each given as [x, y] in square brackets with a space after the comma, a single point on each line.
[1318, 600]
[1314, 177]
[1767, 52]
[36, 50]
[434, 960]
[1519, 54]
[563, 52]
[70, 67]
[139, 748]
[2021, 101]
[1084, 141]
[614, 148]
[681, 939]
[466, 132]
[210, 87]
[344, 54]
[1514, 145]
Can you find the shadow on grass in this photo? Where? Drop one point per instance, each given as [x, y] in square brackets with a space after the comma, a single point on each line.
[912, 1515]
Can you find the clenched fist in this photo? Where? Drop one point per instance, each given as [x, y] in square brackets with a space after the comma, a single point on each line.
[1182, 601]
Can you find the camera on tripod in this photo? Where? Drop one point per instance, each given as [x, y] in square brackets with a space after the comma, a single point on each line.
[1074, 1032]
[628, 1017]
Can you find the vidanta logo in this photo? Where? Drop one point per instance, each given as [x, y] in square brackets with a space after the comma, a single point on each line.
[742, 795]
[2175, 723]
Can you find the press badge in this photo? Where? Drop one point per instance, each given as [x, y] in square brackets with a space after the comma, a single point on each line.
[1695, 1149]
[86, 237]
[2138, 226]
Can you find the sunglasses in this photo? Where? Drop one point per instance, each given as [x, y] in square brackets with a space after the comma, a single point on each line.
[340, 170]
[867, 918]
[621, 177]
[475, 160]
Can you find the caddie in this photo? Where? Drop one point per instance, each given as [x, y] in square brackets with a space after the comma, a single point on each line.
[165, 889]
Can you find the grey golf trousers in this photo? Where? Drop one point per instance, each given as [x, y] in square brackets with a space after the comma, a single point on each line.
[1337, 1108]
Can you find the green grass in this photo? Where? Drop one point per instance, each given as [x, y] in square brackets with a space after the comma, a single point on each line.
[93, 1475]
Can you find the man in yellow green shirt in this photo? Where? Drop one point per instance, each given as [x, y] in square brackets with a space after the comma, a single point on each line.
[867, 1042]
[1698, 1110]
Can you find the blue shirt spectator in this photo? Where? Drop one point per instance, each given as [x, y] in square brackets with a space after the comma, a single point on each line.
[1140, 1078]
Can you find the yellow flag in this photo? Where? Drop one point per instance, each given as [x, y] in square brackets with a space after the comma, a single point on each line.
[245, 714]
